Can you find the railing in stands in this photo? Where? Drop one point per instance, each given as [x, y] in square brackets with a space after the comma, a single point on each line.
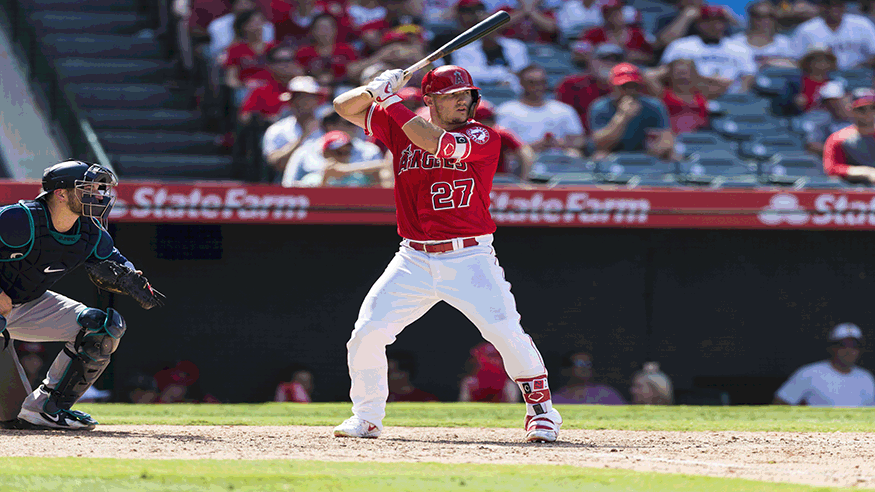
[60, 103]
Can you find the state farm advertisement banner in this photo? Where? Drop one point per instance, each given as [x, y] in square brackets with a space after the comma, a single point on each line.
[566, 207]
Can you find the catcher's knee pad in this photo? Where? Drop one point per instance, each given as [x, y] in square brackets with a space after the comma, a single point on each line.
[95, 343]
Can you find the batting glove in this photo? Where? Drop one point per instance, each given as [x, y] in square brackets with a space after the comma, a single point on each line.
[383, 88]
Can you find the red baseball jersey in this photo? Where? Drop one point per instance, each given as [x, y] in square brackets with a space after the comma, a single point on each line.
[440, 198]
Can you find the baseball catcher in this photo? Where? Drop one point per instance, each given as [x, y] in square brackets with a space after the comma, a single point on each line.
[42, 240]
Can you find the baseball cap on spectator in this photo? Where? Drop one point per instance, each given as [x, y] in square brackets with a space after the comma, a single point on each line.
[485, 110]
[862, 97]
[335, 140]
[624, 73]
[709, 12]
[846, 330]
[185, 373]
[831, 90]
[304, 84]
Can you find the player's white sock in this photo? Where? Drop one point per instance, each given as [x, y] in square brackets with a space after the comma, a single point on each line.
[536, 393]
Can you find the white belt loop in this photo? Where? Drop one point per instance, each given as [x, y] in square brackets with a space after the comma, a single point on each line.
[458, 243]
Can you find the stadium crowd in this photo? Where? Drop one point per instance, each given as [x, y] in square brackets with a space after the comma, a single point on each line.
[586, 79]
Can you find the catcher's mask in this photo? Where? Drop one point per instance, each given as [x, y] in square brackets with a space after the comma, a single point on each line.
[92, 184]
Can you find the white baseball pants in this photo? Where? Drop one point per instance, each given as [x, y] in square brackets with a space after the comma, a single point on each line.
[468, 279]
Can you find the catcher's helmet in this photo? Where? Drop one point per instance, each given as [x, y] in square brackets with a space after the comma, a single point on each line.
[449, 79]
[93, 184]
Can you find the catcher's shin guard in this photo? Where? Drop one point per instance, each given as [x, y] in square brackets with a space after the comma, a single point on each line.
[91, 352]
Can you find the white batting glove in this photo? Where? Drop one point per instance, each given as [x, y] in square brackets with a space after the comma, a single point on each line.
[384, 87]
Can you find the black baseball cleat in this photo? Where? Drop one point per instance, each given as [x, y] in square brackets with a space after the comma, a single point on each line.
[16, 424]
[63, 420]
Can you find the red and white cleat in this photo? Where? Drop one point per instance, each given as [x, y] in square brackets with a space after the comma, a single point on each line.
[356, 427]
[544, 427]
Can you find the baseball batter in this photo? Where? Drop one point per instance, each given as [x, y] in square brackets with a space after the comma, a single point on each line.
[42, 240]
[444, 168]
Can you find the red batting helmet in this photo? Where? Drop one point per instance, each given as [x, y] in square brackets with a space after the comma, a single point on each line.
[449, 79]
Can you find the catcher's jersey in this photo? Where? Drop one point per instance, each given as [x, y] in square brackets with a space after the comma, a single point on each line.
[33, 256]
[437, 198]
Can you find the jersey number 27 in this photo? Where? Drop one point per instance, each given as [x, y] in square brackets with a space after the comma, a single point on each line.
[442, 193]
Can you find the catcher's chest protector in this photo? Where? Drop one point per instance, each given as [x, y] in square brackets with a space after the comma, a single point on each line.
[28, 270]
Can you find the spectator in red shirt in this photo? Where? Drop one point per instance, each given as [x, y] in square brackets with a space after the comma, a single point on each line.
[326, 59]
[531, 23]
[580, 90]
[293, 18]
[516, 156]
[848, 152]
[616, 31]
[487, 380]
[298, 389]
[244, 62]
[677, 84]
[402, 369]
[270, 102]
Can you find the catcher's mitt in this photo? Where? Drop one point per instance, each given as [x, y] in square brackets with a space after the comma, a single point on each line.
[114, 277]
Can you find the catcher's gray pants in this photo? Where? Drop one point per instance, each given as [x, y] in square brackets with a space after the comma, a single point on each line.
[48, 318]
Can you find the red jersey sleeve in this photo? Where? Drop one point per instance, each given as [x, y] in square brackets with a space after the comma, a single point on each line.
[834, 161]
[378, 124]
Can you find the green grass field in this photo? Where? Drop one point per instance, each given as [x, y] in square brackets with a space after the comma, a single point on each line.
[86, 474]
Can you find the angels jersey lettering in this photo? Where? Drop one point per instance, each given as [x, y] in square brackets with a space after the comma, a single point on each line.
[439, 198]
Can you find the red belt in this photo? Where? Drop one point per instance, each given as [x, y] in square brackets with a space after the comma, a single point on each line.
[442, 247]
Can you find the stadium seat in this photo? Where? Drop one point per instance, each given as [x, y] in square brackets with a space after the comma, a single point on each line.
[546, 166]
[572, 179]
[160, 141]
[113, 70]
[738, 105]
[854, 78]
[128, 96]
[763, 148]
[687, 144]
[76, 22]
[799, 170]
[506, 178]
[638, 167]
[747, 126]
[772, 81]
[99, 45]
[716, 169]
[180, 166]
[145, 119]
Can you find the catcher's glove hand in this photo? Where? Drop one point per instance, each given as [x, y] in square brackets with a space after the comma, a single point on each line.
[114, 277]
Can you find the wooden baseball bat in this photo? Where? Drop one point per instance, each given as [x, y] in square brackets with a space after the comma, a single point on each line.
[485, 27]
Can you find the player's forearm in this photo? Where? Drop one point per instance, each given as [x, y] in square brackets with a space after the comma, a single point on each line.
[423, 134]
[353, 102]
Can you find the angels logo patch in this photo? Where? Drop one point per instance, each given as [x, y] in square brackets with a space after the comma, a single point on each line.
[478, 134]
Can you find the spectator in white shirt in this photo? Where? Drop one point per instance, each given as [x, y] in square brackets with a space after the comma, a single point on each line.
[288, 134]
[768, 47]
[851, 37]
[492, 59]
[542, 123]
[835, 382]
[715, 55]
[575, 17]
[337, 159]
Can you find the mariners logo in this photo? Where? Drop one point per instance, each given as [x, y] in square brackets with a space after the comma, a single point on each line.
[478, 134]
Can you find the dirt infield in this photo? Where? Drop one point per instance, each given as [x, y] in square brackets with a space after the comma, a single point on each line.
[825, 459]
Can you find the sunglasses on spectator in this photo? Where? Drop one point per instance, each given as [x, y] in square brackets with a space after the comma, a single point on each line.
[865, 109]
[582, 363]
[853, 344]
